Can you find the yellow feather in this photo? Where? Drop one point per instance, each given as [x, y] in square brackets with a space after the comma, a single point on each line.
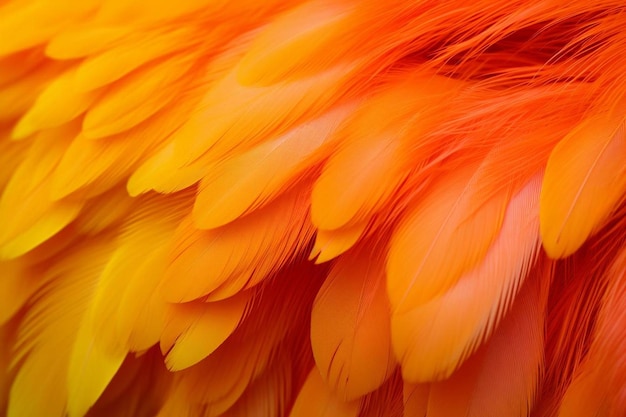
[29, 187]
[46, 112]
[44, 20]
[49, 330]
[114, 63]
[136, 97]
[194, 330]
[247, 181]
[91, 368]
[240, 254]
[134, 270]
[233, 118]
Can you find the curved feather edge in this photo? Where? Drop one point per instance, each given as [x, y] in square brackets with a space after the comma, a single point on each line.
[317, 400]
[432, 340]
[350, 329]
[584, 181]
[490, 384]
[446, 234]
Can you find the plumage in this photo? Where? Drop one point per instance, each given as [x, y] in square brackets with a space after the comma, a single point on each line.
[297, 208]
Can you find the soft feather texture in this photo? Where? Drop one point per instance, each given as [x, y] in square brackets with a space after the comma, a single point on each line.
[585, 180]
[296, 207]
[434, 338]
[350, 331]
[521, 338]
[597, 387]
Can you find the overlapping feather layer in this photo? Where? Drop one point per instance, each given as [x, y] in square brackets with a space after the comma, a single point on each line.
[312, 208]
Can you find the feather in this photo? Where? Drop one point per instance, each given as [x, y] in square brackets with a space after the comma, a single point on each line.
[415, 399]
[219, 128]
[267, 395]
[137, 390]
[331, 243]
[149, 176]
[432, 340]
[597, 388]
[84, 40]
[91, 368]
[575, 298]
[293, 37]
[245, 182]
[127, 289]
[98, 165]
[490, 383]
[385, 401]
[23, 230]
[12, 153]
[47, 113]
[240, 254]
[137, 97]
[105, 211]
[350, 329]
[194, 330]
[378, 147]
[44, 20]
[583, 184]
[16, 286]
[216, 383]
[18, 96]
[7, 339]
[446, 235]
[316, 400]
[114, 63]
[49, 330]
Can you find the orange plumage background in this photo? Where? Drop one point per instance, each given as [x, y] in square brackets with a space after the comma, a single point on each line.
[313, 208]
